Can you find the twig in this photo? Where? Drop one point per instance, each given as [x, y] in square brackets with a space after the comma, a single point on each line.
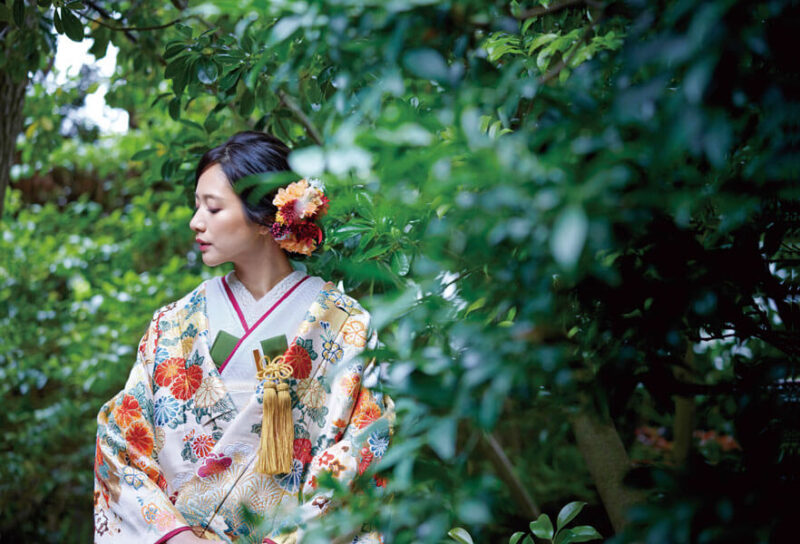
[505, 470]
[131, 28]
[287, 101]
[564, 62]
[99, 9]
[712, 337]
[541, 10]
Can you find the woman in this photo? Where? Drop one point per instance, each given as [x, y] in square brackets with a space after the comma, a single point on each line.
[248, 388]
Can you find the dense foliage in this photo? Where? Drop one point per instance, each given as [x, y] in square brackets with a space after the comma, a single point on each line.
[575, 225]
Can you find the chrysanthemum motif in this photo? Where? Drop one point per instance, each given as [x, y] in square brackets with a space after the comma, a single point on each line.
[366, 410]
[202, 445]
[378, 442]
[311, 393]
[291, 482]
[209, 393]
[165, 410]
[127, 411]
[139, 438]
[186, 382]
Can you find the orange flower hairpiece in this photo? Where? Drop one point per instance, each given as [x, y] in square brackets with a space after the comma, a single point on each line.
[300, 205]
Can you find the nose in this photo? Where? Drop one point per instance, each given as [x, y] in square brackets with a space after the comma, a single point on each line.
[196, 223]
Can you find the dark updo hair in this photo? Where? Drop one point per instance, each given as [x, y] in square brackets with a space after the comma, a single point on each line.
[244, 154]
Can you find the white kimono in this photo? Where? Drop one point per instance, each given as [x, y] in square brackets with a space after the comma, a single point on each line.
[176, 447]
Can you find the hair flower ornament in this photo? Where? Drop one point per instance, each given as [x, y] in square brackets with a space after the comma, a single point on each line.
[300, 205]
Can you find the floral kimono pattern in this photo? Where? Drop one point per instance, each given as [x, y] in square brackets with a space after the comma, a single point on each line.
[174, 453]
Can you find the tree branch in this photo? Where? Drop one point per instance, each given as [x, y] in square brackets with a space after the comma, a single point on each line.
[131, 28]
[99, 9]
[289, 102]
[505, 470]
[541, 10]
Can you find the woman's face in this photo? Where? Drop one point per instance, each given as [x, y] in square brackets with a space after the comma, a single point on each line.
[224, 233]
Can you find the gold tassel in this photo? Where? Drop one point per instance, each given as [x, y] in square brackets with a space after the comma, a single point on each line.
[266, 462]
[284, 429]
[277, 426]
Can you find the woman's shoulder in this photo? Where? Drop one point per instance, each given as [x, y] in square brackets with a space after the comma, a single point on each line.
[191, 303]
[334, 295]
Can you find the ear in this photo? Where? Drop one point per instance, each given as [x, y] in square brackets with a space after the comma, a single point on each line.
[264, 230]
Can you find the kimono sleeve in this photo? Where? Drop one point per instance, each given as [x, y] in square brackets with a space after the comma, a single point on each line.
[130, 500]
[362, 439]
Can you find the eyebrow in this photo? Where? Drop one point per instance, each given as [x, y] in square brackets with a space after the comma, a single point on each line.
[208, 197]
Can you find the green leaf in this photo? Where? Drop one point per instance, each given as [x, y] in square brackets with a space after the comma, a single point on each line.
[57, 22]
[178, 72]
[185, 30]
[542, 527]
[284, 28]
[401, 263]
[568, 236]
[584, 533]
[427, 64]
[5, 14]
[175, 66]
[460, 535]
[308, 161]
[568, 513]
[101, 37]
[230, 79]
[193, 125]
[175, 109]
[211, 123]
[207, 71]
[374, 252]
[475, 305]
[539, 41]
[142, 154]
[174, 48]
[247, 103]
[442, 437]
[19, 12]
[516, 537]
[72, 25]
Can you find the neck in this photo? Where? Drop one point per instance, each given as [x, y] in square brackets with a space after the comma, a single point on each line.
[261, 271]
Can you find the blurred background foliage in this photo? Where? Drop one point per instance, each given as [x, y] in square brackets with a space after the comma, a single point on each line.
[575, 224]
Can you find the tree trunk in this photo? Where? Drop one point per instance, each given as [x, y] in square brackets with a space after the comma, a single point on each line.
[608, 463]
[13, 99]
[683, 427]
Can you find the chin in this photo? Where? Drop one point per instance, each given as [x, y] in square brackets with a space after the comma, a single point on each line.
[208, 260]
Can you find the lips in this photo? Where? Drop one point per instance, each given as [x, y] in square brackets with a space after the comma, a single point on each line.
[202, 243]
